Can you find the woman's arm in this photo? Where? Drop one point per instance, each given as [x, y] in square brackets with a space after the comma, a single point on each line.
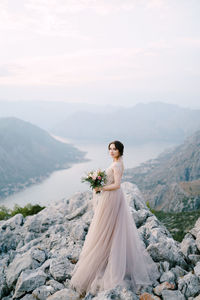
[117, 180]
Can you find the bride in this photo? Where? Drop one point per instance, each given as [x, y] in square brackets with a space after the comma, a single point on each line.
[113, 252]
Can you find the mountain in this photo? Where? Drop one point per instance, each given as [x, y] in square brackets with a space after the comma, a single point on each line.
[142, 123]
[172, 181]
[139, 124]
[28, 153]
[46, 114]
[38, 253]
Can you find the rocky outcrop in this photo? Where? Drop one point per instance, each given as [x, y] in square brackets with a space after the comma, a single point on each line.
[38, 253]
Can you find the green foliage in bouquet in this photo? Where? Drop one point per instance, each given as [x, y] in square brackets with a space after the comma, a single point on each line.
[95, 178]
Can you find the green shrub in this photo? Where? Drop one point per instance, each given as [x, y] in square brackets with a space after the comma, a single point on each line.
[27, 210]
[4, 213]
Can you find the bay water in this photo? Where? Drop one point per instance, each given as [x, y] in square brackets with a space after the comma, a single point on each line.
[66, 182]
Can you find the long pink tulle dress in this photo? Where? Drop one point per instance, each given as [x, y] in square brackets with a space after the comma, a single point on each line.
[113, 252]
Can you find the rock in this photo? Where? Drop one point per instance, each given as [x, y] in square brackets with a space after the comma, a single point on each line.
[42, 292]
[164, 267]
[79, 231]
[140, 216]
[168, 276]
[167, 250]
[178, 271]
[19, 264]
[57, 286]
[189, 285]
[30, 260]
[13, 222]
[64, 295]
[28, 281]
[172, 295]
[78, 200]
[8, 298]
[28, 297]
[77, 213]
[60, 268]
[133, 196]
[3, 284]
[9, 240]
[29, 237]
[38, 254]
[198, 240]
[163, 286]
[197, 269]
[147, 296]
[118, 293]
[188, 245]
[194, 258]
[40, 222]
[153, 231]
[194, 231]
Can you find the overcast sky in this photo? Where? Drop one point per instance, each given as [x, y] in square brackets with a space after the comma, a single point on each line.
[108, 51]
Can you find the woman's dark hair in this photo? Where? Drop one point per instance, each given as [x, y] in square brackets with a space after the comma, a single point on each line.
[118, 146]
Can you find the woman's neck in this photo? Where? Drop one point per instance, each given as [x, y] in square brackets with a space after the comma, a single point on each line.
[117, 159]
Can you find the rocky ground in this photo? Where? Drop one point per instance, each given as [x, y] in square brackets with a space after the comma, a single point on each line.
[39, 252]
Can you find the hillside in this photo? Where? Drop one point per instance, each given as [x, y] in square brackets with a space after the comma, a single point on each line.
[172, 181]
[139, 124]
[38, 253]
[28, 153]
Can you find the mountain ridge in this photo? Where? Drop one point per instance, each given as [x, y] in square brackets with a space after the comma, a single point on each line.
[171, 182]
[142, 123]
[28, 154]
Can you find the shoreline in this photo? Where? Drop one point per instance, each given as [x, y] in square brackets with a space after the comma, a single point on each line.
[11, 189]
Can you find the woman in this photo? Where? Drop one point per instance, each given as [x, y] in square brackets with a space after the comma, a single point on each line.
[113, 252]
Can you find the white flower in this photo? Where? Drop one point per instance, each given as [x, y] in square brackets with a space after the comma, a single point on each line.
[94, 176]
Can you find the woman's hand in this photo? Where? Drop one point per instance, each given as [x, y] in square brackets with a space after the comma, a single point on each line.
[98, 189]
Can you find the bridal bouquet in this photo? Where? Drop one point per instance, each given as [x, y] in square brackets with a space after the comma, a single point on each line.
[95, 178]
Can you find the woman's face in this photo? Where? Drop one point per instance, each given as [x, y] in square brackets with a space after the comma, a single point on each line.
[114, 152]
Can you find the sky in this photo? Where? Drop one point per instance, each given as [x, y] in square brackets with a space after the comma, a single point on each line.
[118, 52]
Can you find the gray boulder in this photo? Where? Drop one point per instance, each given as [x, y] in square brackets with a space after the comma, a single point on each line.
[28, 281]
[3, 284]
[30, 260]
[188, 245]
[60, 268]
[119, 292]
[64, 295]
[42, 292]
[172, 295]
[197, 269]
[189, 285]
[178, 271]
[168, 276]
[167, 250]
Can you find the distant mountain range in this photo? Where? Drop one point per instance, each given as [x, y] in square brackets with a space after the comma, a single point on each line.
[139, 124]
[28, 154]
[143, 123]
[47, 114]
[172, 181]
